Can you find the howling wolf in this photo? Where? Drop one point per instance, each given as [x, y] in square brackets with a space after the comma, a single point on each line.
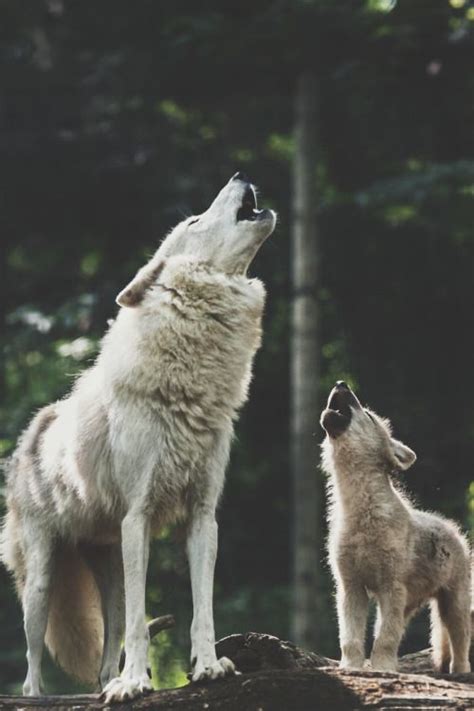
[142, 441]
[380, 545]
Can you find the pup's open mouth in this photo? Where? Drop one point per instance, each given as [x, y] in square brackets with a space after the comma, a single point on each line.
[248, 209]
[339, 403]
[337, 416]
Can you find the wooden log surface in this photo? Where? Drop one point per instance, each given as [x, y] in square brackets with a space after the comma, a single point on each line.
[278, 676]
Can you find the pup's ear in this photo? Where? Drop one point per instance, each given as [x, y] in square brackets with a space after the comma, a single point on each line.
[404, 456]
[134, 292]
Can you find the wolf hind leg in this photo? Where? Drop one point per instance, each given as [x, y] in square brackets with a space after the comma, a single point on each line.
[440, 647]
[106, 564]
[39, 562]
[455, 613]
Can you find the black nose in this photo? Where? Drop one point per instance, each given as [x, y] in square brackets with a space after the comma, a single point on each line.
[241, 176]
[341, 384]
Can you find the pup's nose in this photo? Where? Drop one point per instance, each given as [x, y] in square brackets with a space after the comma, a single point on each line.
[342, 385]
[241, 176]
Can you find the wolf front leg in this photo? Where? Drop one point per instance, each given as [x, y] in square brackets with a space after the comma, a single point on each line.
[202, 552]
[390, 626]
[134, 679]
[352, 610]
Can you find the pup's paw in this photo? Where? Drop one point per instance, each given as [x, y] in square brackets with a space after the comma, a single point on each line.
[123, 688]
[460, 667]
[351, 664]
[383, 664]
[214, 670]
[352, 655]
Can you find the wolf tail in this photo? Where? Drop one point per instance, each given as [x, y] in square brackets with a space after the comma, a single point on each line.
[75, 630]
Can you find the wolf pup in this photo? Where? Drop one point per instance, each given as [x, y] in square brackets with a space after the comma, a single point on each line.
[142, 441]
[381, 546]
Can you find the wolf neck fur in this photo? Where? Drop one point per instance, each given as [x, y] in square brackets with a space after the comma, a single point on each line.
[208, 320]
[357, 486]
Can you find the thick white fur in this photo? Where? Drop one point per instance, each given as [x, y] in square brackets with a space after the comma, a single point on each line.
[381, 546]
[142, 441]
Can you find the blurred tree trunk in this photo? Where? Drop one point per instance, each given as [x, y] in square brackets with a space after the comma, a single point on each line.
[304, 364]
[3, 312]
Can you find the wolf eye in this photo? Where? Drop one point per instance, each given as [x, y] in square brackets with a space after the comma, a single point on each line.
[193, 222]
[369, 415]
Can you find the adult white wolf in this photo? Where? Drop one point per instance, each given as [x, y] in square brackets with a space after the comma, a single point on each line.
[380, 545]
[142, 440]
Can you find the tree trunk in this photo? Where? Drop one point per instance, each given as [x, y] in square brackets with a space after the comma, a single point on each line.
[305, 370]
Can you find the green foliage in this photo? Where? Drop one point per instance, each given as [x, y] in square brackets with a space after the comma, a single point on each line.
[169, 670]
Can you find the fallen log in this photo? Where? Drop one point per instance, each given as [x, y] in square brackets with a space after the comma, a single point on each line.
[279, 676]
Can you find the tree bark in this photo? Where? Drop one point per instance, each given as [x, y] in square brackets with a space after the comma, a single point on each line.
[279, 676]
[304, 354]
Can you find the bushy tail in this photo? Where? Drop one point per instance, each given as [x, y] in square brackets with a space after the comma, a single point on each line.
[75, 631]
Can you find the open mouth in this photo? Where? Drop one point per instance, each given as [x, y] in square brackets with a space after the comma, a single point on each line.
[248, 209]
[337, 416]
[339, 403]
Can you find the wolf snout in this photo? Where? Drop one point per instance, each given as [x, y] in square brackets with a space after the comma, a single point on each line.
[342, 398]
[241, 176]
[337, 416]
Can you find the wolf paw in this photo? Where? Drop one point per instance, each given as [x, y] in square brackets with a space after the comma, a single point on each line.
[383, 664]
[352, 657]
[31, 689]
[460, 667]
[221, 667]
[123, 688]
[351, 664]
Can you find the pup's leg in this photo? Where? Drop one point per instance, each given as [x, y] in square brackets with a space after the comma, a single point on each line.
[439, 640]
[106, 564]
[39, 562]
[134, 679]
[202, 551]
[352, 609]
[454, 609]
[389, 628]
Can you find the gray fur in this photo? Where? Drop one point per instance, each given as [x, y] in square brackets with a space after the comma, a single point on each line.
[142, 441]
[381, 546]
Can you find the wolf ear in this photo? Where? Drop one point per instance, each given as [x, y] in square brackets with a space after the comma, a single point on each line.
[404, 456]
[134, 292]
